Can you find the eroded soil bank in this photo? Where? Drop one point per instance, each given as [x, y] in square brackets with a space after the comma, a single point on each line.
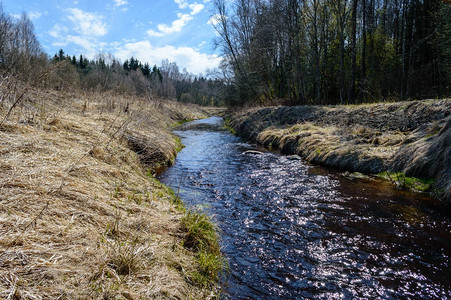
[409, 137]
[82, 216]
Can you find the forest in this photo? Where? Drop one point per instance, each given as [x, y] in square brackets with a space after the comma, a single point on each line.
[24, 64]
[292, 52]
[335, 51]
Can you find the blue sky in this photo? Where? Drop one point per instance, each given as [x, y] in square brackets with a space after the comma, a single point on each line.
[152, 30]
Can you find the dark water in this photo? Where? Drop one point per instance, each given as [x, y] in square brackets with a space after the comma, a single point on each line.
[290, 230]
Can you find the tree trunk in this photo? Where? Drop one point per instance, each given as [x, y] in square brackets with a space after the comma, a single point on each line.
[316, 52]
[352, 94]
[363, 77]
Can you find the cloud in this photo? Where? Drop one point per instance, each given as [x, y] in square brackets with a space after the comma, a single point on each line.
[185, 57]
[196, 8]
[176, 26]
[87, 24]
[34, 15]
[57, 29]
[214, 20]
[182, 19]
[182, 3]
[90, 46]
[87, 44]
[119, 3]
[83, 30]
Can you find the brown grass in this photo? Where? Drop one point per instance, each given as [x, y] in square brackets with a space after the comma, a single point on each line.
[80, 217]
[350, 149]
[411, 137]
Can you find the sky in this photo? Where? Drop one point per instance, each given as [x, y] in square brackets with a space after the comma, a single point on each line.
[178, 30]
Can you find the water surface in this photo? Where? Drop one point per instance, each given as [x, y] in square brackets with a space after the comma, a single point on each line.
[291, 230]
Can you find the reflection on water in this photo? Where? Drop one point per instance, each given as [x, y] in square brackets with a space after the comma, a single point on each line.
[290, 230]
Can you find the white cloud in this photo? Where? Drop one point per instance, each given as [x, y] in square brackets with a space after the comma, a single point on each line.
[176, 26]
[60, 44]
[196, 8]
[154, 33]
[118, 3]
[185, 57]
[83, 30]
[83, 42]
[57, 29]
[214, 20]
[34, 15]
[90, 46]
[87, 24]
[182, 19]
[182, 3]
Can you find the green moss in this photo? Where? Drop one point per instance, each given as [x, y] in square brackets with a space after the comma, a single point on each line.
[179, 145]
[432, 134]
[179, 123]
[412, 183]
[228, 126]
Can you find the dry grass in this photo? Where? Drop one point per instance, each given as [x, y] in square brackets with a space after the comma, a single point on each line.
[352, 149]
[411, 137]
[80, 217]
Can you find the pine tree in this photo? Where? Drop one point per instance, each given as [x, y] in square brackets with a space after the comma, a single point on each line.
[61, 54]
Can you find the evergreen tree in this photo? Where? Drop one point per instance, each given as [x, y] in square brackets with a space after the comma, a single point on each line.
[81, 62]
[61, 54]
[126, 65]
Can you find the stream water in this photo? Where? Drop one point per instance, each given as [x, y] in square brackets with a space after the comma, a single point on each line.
[291, 230]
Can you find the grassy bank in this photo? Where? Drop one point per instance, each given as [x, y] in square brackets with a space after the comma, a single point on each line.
[82, 215]
[413, 138]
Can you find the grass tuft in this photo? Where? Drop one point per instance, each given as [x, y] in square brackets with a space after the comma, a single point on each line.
[181, 122]
[124, 256]
[228, 126]
[410, 183]
[201, 236]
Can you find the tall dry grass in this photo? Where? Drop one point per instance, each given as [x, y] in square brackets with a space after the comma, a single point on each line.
[81, 214]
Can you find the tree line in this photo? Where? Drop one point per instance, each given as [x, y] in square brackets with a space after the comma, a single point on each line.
[23, 61]
[104, 73]
[334, 51]
[290, 51]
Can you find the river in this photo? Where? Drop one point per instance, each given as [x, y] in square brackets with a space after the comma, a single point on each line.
[291, 230]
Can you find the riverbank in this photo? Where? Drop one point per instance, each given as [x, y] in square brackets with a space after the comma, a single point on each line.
[413, 138]
[82, 215]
